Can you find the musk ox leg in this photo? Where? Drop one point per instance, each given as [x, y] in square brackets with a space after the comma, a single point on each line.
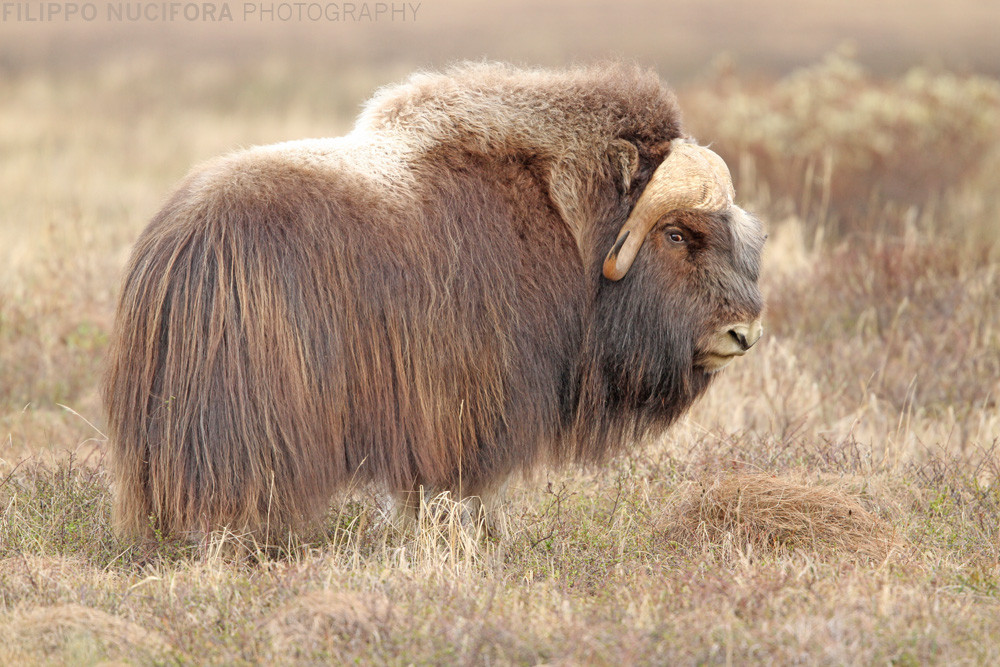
[490, 499]
[476, 513]
[404, 507]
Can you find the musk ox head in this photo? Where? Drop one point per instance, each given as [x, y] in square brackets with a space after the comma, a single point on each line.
[678, 298]
[706, 248]
[496, 267]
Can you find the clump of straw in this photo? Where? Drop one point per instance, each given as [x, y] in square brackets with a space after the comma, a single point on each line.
[772, 513]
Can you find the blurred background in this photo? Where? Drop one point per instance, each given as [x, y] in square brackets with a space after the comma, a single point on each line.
[865, 134]
[678, 37]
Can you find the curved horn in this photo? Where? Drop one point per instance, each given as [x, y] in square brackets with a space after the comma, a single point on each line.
[691, 177]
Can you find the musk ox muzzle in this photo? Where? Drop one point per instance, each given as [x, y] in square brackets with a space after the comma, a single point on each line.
[728, 342]
[496, 268]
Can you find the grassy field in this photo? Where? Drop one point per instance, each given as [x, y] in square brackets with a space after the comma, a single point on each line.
[834, 499]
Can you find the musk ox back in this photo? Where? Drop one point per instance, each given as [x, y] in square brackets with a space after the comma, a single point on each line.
[496, 267]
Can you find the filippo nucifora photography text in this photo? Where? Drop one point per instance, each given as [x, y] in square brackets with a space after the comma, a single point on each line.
[210, 12]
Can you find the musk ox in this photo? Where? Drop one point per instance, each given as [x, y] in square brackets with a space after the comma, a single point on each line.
[496, 267]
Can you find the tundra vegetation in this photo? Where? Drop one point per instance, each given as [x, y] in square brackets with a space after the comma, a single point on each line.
[834, 498]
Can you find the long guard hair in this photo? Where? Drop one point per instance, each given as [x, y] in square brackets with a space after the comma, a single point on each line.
[417, 302]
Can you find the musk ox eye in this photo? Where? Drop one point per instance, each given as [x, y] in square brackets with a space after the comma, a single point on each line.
[676, 237]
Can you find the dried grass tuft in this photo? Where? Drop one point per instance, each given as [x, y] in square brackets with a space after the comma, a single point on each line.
[758, 512]
[61, 625]
[321, 617]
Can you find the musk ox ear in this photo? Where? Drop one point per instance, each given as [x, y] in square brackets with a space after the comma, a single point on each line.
[567, 186]
[624, 159]
[565, 191]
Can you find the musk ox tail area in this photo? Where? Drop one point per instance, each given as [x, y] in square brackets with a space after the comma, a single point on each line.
[212, 376]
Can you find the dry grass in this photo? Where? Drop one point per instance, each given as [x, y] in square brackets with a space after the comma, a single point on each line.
[82, 631]
[658, 560]
[834, 498]
[768, 514]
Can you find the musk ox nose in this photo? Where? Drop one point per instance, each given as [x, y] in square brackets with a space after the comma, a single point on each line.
[726, 343]
[746, 335]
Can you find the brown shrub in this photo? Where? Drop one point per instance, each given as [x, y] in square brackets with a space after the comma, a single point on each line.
[835, 143]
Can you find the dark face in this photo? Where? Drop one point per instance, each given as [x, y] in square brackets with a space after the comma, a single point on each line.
[687, 307]
[715, 260]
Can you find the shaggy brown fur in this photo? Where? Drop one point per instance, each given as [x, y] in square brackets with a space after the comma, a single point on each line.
[417, 303]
